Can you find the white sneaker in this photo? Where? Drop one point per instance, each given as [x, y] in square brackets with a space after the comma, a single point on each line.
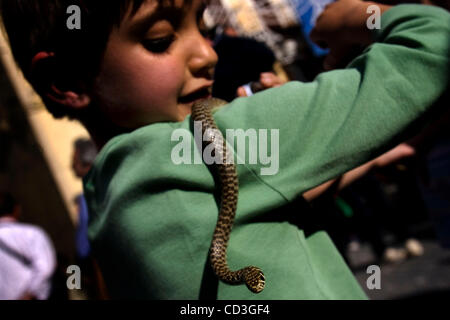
[414, 247]
[394, 255]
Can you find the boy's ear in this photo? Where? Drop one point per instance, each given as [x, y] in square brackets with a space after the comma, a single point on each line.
[46, 75]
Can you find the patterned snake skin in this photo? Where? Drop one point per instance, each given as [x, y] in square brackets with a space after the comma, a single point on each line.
[253, 277]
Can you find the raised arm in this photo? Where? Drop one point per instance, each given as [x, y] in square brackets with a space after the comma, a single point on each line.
[348, 117]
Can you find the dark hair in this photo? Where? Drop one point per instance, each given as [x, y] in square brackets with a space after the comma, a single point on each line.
[7, 204]
[40, 25]
[87, 149]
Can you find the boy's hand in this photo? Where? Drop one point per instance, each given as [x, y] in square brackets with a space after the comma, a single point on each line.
[267, 80]
[341, 27]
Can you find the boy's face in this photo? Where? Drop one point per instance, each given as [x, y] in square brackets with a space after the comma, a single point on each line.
[156, 64]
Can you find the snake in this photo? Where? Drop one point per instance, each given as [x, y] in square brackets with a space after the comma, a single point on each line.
[252, 276]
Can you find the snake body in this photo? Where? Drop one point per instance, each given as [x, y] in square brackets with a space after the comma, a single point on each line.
[252, 276]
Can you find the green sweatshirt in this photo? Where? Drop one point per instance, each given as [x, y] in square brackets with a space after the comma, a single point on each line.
[152, 220]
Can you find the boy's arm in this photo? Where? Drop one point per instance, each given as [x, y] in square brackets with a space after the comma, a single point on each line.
[347, 117]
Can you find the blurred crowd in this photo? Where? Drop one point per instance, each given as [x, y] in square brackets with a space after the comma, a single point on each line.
[29, 266]
[263, 44]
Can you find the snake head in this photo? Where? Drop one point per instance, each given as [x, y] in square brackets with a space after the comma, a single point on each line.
[254, 279]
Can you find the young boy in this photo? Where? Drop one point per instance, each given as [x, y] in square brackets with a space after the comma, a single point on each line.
[132, 74]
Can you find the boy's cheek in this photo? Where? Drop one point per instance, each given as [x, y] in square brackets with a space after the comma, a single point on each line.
[141, 94]
[156, 92]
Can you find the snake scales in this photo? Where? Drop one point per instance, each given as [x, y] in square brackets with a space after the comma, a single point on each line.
[252, 276]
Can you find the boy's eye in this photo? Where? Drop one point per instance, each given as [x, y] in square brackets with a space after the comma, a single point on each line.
[159, 45]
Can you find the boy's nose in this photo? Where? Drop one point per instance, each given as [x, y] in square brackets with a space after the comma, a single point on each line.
[203, 59]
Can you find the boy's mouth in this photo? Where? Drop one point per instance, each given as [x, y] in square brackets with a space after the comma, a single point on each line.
[202, 93]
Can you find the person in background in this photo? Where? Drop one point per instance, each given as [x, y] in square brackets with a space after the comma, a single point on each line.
[84, 155]
[27, 256]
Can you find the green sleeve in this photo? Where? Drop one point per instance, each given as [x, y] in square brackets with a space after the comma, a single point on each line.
[346, 117]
